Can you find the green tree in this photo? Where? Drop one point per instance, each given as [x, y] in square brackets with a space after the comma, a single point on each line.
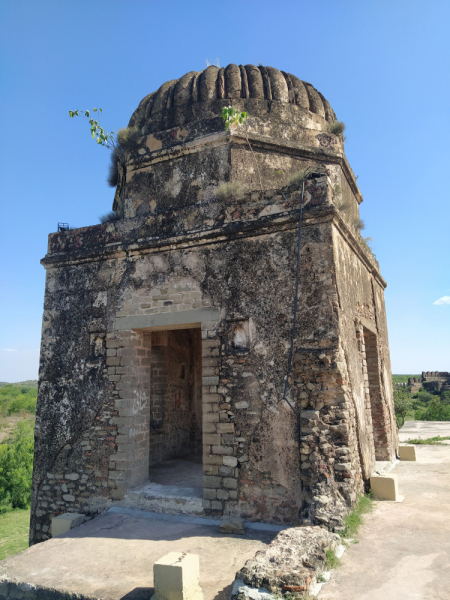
[445, 397]
[422, 397]
[402, 404]
[16, 400]
[16, 469]
[435, 411]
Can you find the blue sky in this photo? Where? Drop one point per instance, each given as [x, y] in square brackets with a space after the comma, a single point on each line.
[383, 65]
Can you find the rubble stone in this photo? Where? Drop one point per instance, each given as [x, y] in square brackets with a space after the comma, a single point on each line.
[232, 525]
[292, 562]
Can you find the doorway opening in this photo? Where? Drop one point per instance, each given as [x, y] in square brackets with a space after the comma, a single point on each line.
[175, 428]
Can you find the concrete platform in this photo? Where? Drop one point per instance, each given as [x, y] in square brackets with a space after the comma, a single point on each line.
[404, 549]
[112, 557]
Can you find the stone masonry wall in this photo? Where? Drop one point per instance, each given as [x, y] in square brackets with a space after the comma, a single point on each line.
[95, 381]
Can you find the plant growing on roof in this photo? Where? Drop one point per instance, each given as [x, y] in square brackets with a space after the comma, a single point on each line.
[234, 118]
[118, 144]
[337, 127]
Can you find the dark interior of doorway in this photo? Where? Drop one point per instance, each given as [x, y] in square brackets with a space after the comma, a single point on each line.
[175, 450]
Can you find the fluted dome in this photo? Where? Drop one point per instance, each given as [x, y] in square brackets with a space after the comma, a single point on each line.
[184, 100]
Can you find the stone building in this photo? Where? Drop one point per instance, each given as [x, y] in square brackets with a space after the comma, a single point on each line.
[166, 333]
[430, 380]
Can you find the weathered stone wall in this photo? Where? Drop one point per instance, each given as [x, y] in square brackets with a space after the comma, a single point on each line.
[250, 449]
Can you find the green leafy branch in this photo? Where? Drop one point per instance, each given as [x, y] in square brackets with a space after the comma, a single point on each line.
[97, 132]
[125, 140]
[235, 118]
[232, 116]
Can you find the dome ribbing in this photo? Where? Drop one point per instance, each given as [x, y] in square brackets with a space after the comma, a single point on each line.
[176, 101]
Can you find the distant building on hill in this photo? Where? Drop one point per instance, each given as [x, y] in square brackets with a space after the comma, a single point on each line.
[431, 381]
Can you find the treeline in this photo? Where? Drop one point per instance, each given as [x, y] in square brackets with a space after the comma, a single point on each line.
[16, 468]
[15, 399]
[422, 405]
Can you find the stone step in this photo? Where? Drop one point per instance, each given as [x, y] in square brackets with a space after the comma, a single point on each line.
[168, 499]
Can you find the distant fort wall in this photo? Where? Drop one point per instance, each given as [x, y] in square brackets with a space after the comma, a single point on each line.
[430, 380]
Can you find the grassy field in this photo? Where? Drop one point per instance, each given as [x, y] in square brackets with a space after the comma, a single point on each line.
[14, 528]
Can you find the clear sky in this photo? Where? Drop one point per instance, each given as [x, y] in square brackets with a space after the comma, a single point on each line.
[383, 65]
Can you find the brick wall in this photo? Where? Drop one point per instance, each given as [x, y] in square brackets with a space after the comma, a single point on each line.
[381, 425]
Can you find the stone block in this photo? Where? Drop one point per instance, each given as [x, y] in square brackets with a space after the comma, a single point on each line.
[230, 483]
[225, 427]
[63, 523]
[213, 438]
[232, 525]
[230, 461]
[407, 452]
[222, 450]
[385, 487]
[176, 577]
[210, 381]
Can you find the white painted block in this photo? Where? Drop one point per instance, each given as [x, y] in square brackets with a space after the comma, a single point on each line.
[63, 523]
[385, 487]
[176, 577]
[407, 452]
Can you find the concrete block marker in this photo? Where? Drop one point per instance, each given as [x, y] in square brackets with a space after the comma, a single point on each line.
[176, 577]
[63, 523]
[407, 452]
[385, 487]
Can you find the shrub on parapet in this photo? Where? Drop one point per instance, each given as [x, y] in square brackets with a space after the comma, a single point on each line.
[298, 176]
[108, 217]
[337, 128]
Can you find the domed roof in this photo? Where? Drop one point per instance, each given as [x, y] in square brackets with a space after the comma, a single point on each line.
[183, 100]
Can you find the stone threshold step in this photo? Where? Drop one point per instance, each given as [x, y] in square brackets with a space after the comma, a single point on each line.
[168, 499]
[192, 520]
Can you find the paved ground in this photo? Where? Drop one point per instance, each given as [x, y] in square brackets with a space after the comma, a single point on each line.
[403, 553]
[404, 549]
[112, 557]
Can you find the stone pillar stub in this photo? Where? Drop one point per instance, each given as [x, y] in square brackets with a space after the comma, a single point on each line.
[407, 453]
[385, 487]
[176, 577]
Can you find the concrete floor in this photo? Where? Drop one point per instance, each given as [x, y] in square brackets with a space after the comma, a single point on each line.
[184, 471]
[112, 557]
[404, 549]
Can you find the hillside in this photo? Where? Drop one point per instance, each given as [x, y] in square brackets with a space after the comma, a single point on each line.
[17, 403]
[29, 383]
